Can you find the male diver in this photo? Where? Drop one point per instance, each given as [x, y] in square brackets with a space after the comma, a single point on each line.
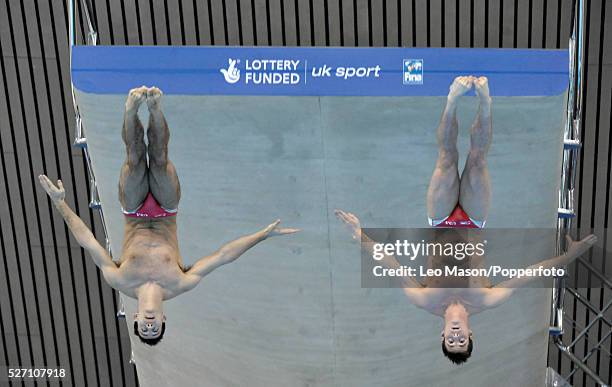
[456, 305]
[151, 268]
[455, 201]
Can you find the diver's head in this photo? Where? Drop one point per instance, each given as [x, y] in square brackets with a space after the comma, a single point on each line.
[150, 321]
[149, 333]
[459, 357]
[457, 343]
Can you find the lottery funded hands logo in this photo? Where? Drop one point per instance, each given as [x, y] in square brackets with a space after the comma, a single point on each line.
[231, 74]
[413, 71]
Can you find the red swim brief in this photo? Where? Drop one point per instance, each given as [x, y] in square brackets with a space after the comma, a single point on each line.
[457, 219]
[150, 209]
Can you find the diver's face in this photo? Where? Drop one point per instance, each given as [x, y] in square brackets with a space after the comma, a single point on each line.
[149, 324]
[456, 336]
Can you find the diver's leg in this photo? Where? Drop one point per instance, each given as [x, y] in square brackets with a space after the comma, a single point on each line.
[133, 180]
[163, 181]
[443, 192]
[475, 187]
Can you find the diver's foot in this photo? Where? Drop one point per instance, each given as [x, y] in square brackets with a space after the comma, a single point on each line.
[135, 98]
[481, 85]
[459, 87]
[153, 98]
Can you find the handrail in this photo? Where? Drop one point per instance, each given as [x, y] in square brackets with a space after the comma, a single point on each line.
[80, 139]
[572, 143]
[578, 362]
[570, 156]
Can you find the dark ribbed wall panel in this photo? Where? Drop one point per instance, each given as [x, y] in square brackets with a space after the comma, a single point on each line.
[593, 185]
[54, 306]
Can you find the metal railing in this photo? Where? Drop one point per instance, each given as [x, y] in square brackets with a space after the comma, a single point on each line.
[572, 144]
[571, 147]
[80, 140]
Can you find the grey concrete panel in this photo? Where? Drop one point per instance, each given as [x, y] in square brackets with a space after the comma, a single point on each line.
[292, 310]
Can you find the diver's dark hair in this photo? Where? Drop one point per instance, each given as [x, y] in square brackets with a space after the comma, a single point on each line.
[150, 342]
[459, 357]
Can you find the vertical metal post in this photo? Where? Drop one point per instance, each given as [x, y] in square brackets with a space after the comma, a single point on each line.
[571, 145]
[80, 139]
[92, 34]
[71, 24]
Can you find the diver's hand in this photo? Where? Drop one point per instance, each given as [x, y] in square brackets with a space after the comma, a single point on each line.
[273, 230]
[577, 248]
[351, 221]
[57, 194]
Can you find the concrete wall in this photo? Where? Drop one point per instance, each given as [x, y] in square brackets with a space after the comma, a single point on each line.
[292, 310]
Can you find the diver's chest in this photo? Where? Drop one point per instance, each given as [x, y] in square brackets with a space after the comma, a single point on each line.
[152, 259]
[151, 263]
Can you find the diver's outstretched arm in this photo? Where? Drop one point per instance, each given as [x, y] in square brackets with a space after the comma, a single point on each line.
[504, 289]
[229, 253]
[79, 230]
[388, 261]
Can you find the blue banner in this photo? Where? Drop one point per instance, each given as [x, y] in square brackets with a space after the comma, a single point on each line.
[316, 71]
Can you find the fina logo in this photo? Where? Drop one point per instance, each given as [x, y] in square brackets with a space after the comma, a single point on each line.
[231, 74]
[413, 71]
